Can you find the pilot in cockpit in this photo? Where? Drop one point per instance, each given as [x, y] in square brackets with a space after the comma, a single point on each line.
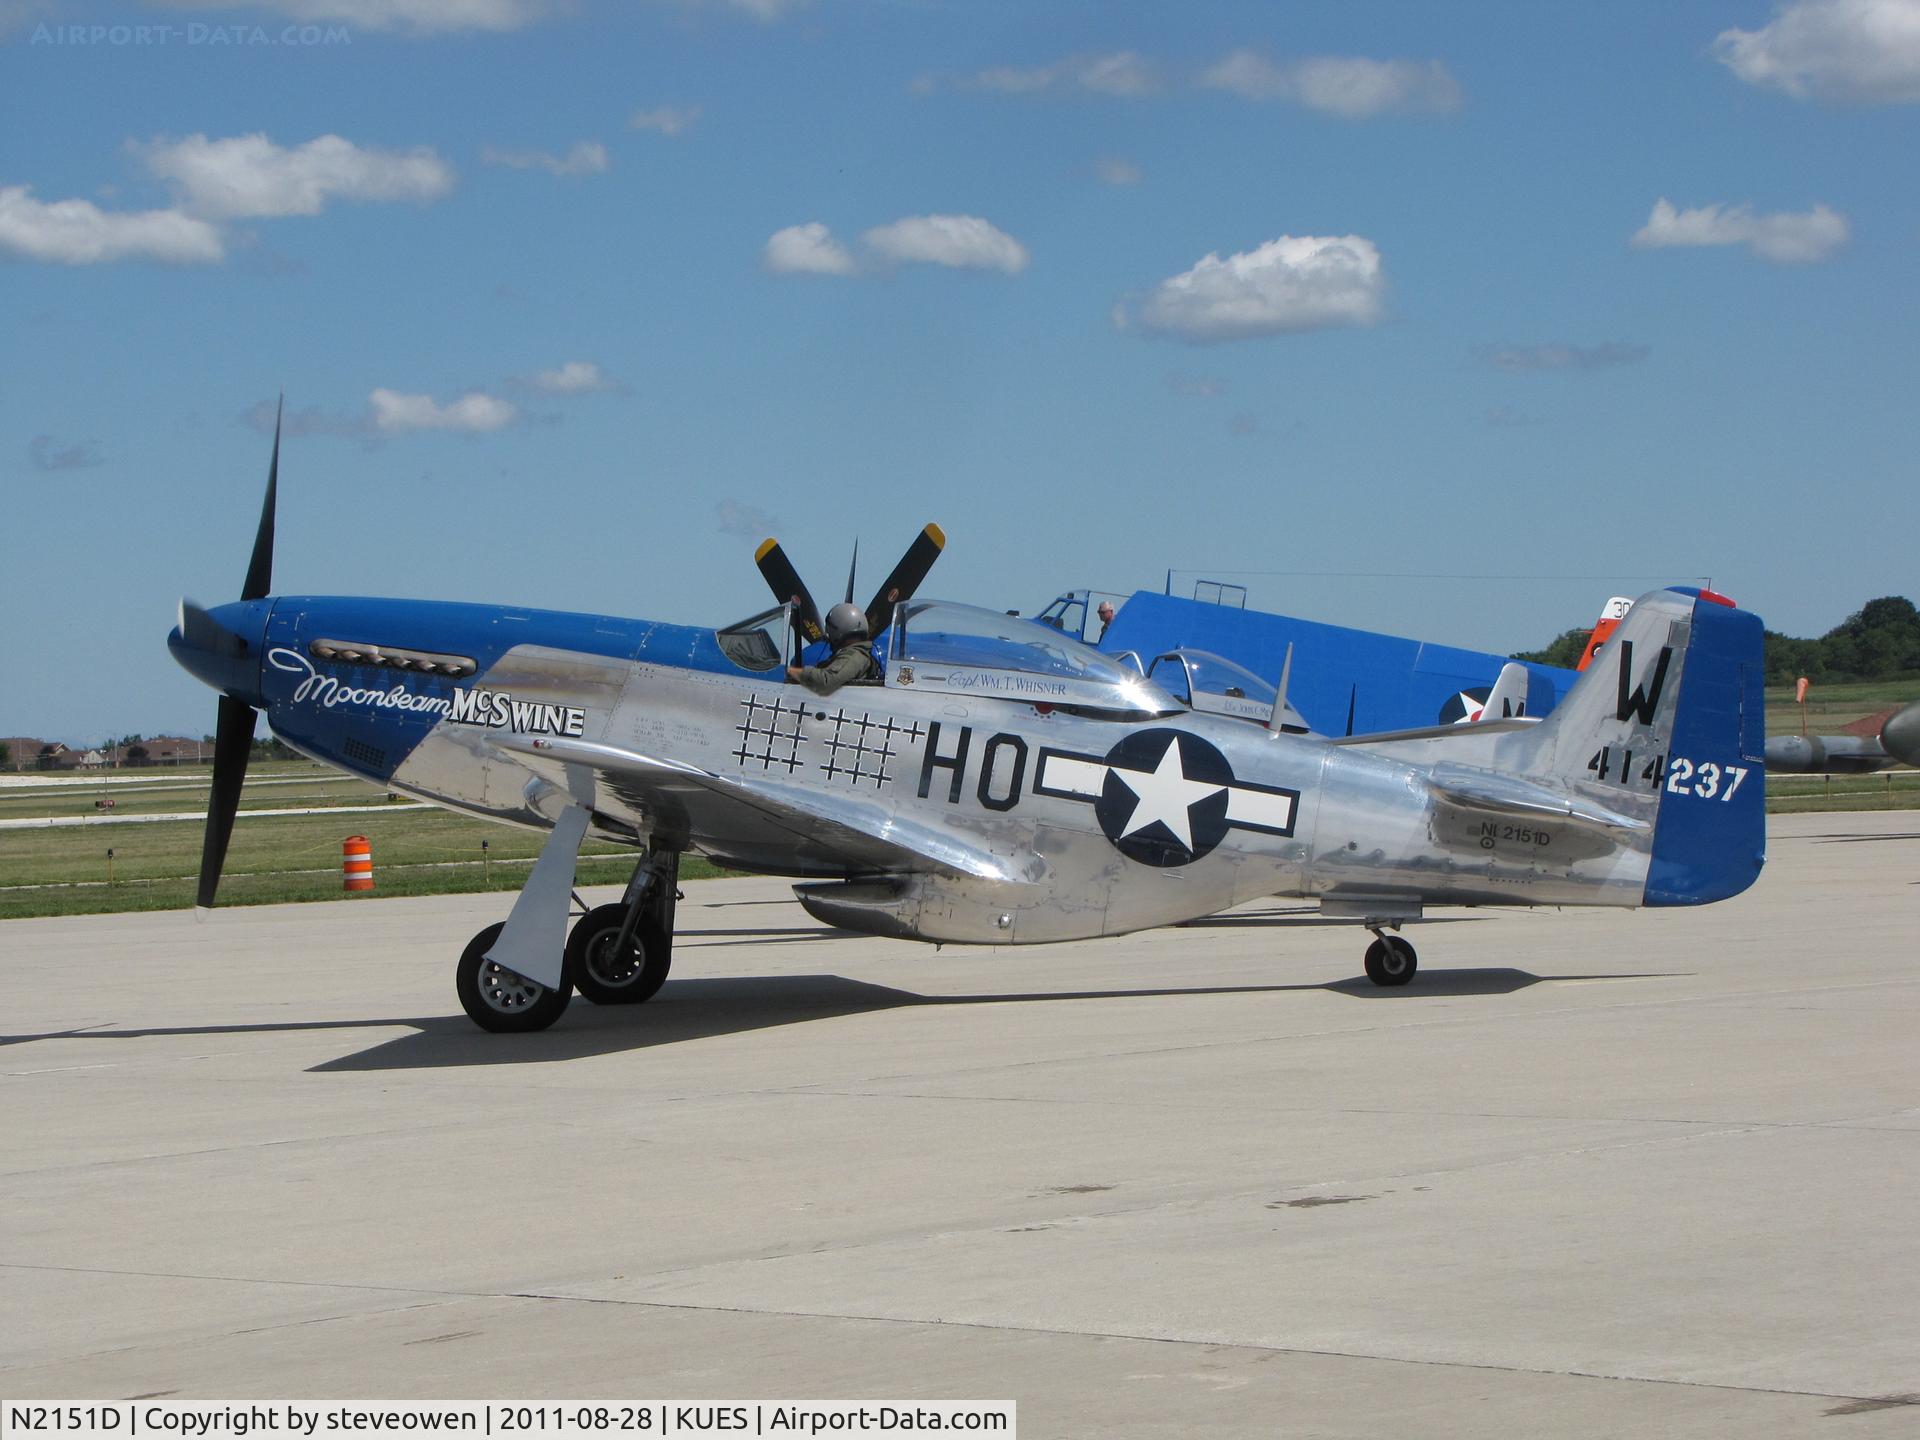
[852, 658]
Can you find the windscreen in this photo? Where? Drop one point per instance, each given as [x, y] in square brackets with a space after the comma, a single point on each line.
[967, 638]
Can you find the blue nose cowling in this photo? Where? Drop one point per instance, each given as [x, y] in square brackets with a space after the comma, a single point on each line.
[221, 647]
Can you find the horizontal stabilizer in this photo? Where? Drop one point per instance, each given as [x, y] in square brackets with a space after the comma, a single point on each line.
[1509, 795]
[1479, 729]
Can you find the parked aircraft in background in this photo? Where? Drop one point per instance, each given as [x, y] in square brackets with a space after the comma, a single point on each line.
[1350, 682]
[1611, 614]
[1217, 686]
[1900, 734]
[1344, 681]
[1002, 785]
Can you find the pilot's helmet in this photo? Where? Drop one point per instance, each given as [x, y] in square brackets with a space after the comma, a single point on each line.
[846, 621]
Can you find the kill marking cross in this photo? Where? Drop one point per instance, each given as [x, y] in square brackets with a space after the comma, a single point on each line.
[863, 749]
[772, 734]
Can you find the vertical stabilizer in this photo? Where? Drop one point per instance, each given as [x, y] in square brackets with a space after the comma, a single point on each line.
[1667, 724]
[1508, 698]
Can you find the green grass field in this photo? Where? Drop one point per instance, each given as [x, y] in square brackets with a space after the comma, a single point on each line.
[417, 849]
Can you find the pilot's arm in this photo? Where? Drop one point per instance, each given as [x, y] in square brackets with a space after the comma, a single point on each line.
[853, 662]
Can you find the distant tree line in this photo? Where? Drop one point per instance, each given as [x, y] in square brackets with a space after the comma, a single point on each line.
[132, 750]
[1879, 641]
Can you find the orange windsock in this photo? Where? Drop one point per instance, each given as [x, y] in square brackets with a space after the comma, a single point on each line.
[1800, 691]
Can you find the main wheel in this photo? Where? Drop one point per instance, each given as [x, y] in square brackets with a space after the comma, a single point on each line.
[610, 974]
[497, 999]
[1391, 961]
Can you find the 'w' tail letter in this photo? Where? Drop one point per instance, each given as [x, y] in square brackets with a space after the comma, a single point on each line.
[1642, 701]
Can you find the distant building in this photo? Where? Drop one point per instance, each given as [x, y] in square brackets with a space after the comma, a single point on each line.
[163, 750]
[23, 751]
[30, 752]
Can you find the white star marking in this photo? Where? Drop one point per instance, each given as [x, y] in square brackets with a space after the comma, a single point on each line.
[1165, 795]
[1470, 706]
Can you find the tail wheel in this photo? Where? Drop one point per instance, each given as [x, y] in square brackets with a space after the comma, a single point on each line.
[497, 999]
[608, 973]
[1391, 961]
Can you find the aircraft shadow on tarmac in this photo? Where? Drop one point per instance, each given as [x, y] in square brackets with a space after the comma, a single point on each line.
[707, 1008]
[704, 1009]
[700, 1009]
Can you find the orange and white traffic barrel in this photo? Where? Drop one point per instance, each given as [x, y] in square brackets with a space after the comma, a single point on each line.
[356, 863]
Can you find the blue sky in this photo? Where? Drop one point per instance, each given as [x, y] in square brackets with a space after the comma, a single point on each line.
[515, 265]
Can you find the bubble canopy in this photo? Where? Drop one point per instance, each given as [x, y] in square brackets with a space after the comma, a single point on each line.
[940, 645]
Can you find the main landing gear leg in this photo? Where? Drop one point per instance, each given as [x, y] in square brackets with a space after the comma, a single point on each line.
[1390, 960]
[513, 977]
[619, 954]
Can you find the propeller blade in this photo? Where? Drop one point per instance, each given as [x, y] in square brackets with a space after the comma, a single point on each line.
[853, 569]
[786, 584]
[906, 577]
[232, 745]
[259, 579]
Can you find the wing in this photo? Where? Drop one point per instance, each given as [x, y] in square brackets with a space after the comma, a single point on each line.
[760, 822]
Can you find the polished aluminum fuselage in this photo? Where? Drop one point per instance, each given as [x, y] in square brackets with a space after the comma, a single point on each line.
[1009, 777]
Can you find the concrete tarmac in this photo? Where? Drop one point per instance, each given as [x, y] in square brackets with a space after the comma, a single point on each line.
[1592, 1174]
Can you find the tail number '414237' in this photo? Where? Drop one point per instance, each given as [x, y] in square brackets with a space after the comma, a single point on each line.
[1704, 781]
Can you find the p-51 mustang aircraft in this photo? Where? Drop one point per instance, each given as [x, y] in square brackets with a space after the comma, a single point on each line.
[1002, 784]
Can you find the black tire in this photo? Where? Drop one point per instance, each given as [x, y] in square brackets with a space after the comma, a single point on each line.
[497, 999]
[1391, 961]
[609, 979]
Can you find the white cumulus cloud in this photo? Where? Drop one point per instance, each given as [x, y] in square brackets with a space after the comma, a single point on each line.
[48, 453]
[1607, 355]
[736, 517]
[1122, 73]
[960, 241]
[768, 10]
[394, 412]
[667, 119]
[1350, 86]
[575, 377]
[1786, 237]
[588, 157]
[18, 14]
[1296, 282]
[78, 232]
[808, 249]
[250, 176]
[1866, 51]
[415, 17]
